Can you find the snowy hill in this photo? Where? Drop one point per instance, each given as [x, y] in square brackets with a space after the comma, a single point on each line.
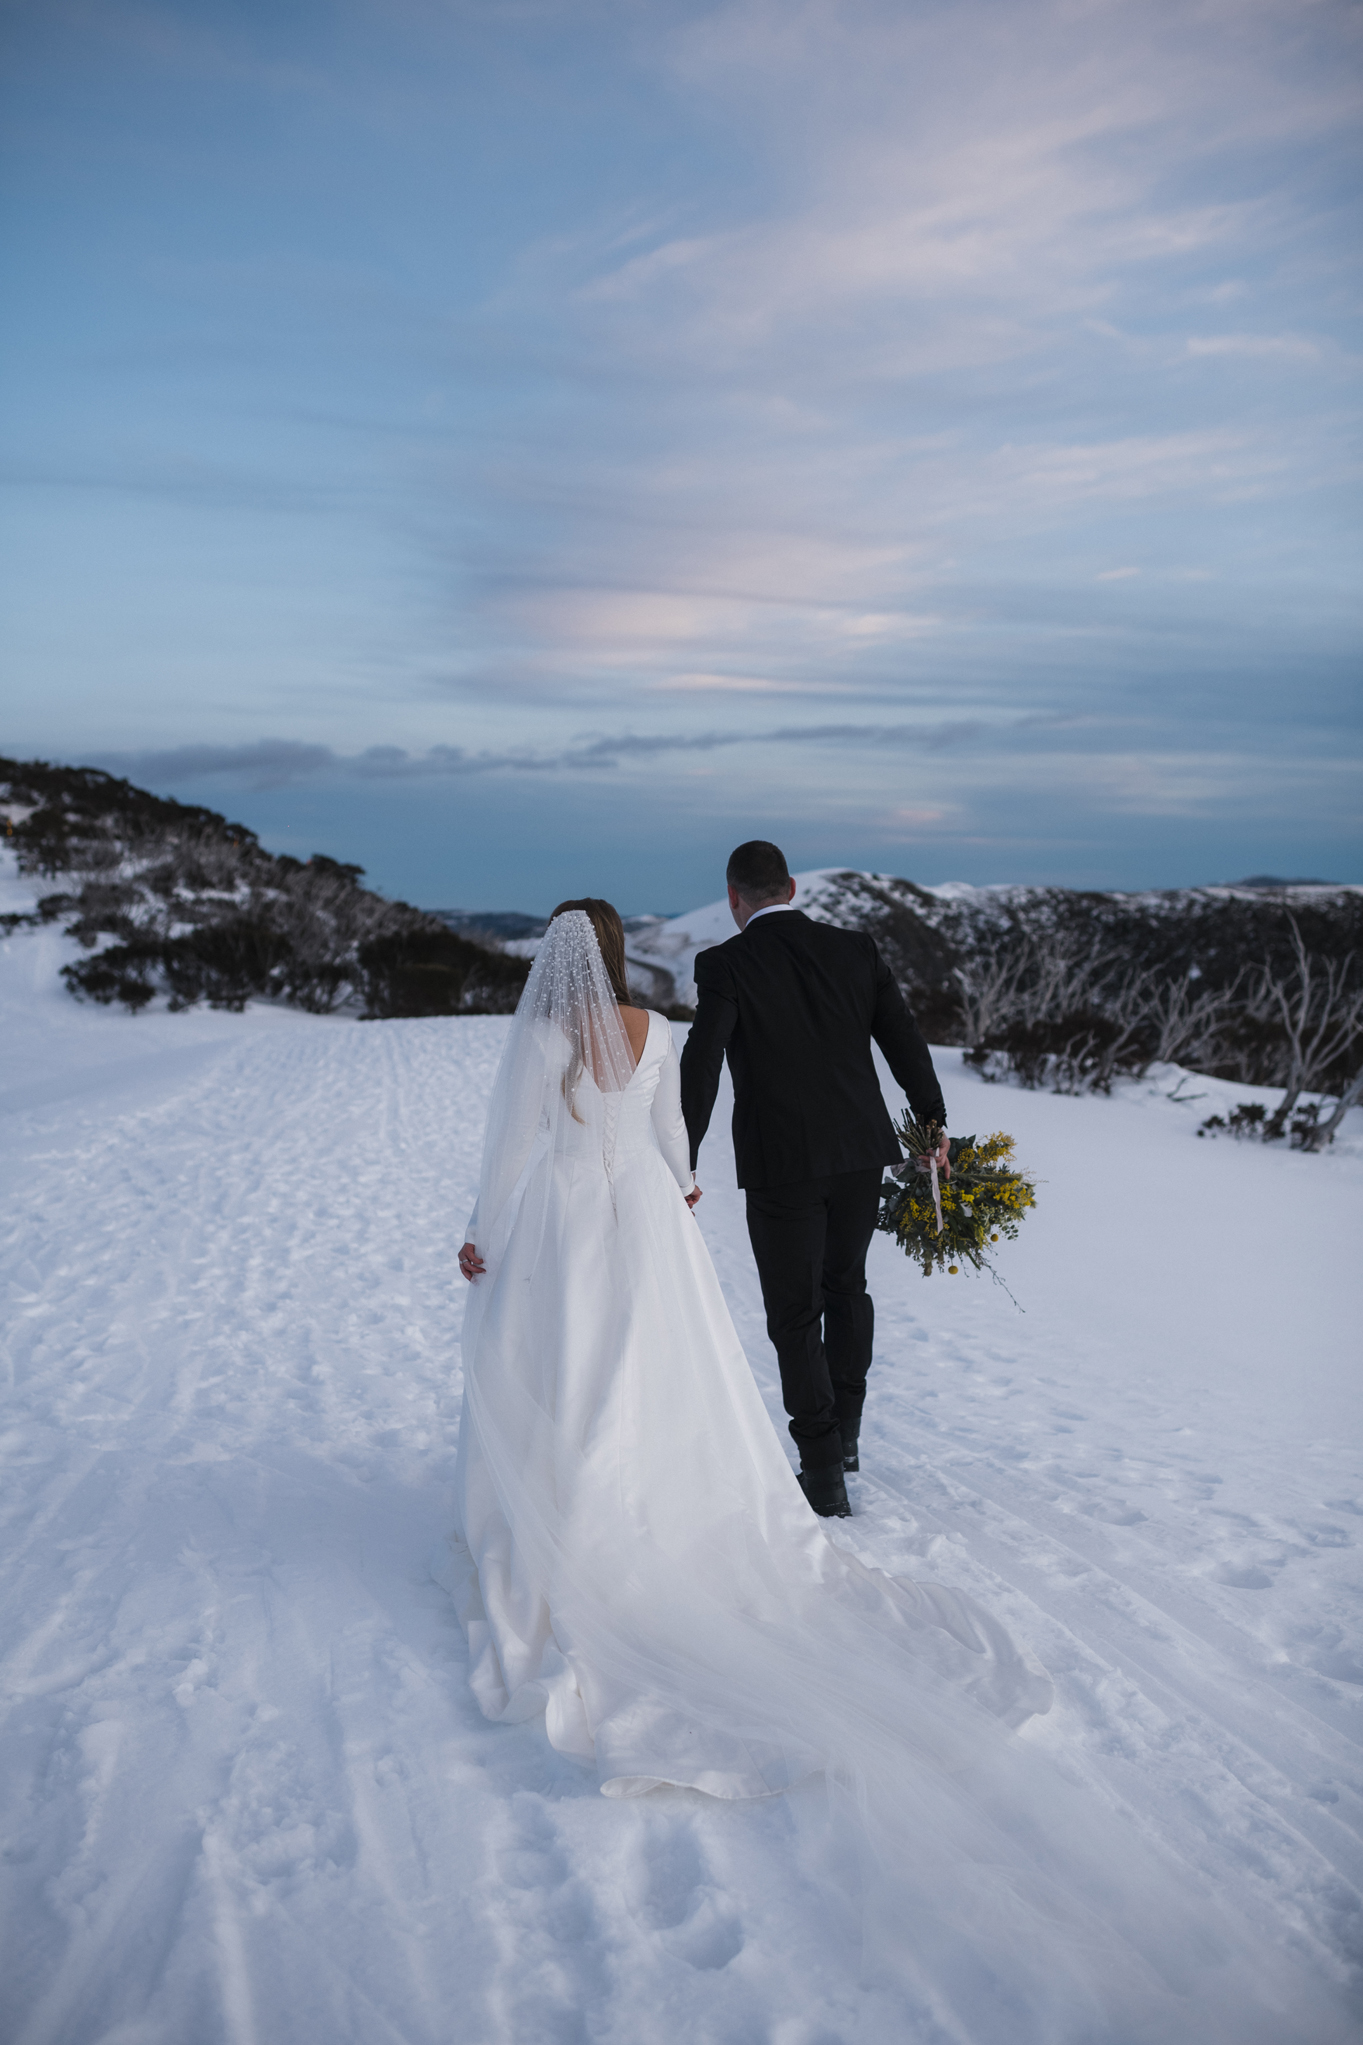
[928, 934]
[174, 901]
[823, 893]
[245, 1793]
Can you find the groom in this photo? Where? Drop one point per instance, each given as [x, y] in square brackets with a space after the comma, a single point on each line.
[796, 1005]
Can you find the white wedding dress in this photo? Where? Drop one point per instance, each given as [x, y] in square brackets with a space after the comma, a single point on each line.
[636, 1562]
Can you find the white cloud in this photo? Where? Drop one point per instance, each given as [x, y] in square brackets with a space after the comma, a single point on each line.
[941, 162]
[1270, 347]
[739, 685]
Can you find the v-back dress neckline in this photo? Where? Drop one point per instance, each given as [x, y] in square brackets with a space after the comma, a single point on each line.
[644, 1048]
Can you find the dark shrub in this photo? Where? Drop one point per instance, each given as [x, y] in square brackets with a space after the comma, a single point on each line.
[437, 972]
[1246, 1118]
[104, 909]
[125, 972]
[318, 985]
[224, 963]
[1082, 1051]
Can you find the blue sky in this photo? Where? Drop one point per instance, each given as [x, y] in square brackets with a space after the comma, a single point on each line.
[528, 447]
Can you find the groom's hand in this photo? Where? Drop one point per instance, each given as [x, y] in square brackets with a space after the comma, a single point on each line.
[942, 1155]
[470, 1263]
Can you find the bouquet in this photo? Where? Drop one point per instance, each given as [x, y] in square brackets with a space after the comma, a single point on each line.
[952, 1221]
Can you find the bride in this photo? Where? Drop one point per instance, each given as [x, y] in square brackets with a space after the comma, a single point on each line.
[639, 1564]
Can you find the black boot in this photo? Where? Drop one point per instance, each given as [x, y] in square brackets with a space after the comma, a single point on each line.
[826, 1492]
[849, 1449]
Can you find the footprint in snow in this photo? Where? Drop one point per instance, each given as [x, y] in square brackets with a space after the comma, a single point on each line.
[1323, 1535]
[678, 1900]
[550, 1972]
[533, 1858]
[1114, 1515]
[1242, 1576]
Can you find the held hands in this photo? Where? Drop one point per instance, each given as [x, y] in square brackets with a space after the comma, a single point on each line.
[472, 1265]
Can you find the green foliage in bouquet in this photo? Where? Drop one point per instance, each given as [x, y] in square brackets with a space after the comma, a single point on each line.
[985, 1198]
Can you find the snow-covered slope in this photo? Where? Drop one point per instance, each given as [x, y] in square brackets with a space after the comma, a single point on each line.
[926, 932]
[245, 1794]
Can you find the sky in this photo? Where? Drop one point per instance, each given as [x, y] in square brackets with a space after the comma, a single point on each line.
[527, 447]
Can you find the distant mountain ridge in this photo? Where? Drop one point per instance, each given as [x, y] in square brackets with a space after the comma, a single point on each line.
[932, 936]
[1276, 880]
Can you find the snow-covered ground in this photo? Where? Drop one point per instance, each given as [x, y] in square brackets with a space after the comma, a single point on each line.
[245, 1794]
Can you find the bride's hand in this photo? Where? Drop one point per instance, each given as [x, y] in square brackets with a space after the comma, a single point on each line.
[470, 1263]
[692, 1197]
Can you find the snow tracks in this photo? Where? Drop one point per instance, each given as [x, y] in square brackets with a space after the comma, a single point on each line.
[244, 1793]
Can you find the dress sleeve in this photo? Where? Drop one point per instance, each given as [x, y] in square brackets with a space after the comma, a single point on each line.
[668, 1122]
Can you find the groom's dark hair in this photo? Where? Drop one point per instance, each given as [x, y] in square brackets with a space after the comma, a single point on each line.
[758, 872]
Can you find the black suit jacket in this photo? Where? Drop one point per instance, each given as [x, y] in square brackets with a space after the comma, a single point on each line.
[796, 1004]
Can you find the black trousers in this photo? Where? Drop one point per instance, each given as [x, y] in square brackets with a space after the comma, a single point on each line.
[810, 1241]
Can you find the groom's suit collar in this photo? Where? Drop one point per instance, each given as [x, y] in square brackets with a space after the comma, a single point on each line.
[772, 909]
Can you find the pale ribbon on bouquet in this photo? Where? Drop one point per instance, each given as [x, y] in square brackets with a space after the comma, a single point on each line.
[936, 1189]
[926, 1163]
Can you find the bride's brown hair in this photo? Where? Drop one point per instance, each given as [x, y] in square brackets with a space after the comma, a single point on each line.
[610, 935]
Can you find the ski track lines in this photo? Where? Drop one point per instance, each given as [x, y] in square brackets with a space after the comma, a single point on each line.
[246, 1794]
